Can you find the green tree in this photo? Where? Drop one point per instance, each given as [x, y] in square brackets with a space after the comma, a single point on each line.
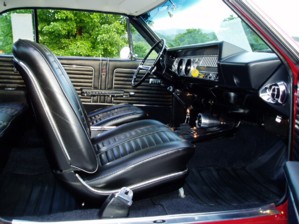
[81, 33]
[255, 42]
[192, 36]
[140, 49]
[5, 33]
[140, 46]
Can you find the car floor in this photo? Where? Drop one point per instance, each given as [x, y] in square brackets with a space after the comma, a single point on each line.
[232, 172]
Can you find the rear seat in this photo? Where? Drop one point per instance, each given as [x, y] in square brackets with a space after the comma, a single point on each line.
[9, 116]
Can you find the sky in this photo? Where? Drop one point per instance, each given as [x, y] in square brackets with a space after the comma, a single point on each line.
[195, 18]
[207, 15]
[285, 14]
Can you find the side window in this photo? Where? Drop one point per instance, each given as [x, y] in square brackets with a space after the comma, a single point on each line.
[13, 26]
[77, 33]
[73, 33]
[140, 46]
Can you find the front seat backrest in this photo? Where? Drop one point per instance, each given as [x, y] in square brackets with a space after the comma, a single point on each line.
[57, 105]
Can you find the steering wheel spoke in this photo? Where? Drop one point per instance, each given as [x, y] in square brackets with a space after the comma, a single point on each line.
[149, 69]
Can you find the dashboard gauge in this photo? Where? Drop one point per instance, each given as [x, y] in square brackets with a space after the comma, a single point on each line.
[197, 66]
[180, 66]
[188, 66]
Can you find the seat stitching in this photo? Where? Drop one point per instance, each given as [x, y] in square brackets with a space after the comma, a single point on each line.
[111, 145]
[139, 163]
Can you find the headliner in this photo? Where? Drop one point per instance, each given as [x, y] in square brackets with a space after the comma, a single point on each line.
[127, 7]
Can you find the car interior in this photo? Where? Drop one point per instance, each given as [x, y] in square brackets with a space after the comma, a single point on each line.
[201, 128]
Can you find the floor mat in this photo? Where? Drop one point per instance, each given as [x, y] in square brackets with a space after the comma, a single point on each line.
[220, 178]
[28, 188]
[236, 172]
[231, 187]
[213, 189]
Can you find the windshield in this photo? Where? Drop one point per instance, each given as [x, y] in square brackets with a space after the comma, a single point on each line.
[284, 14]
[186, 22]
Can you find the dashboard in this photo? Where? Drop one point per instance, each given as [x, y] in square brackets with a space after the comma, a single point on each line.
[224, 64]
[198, 66]
[231, 69]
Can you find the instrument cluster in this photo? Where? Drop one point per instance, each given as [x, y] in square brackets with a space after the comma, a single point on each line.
[199, 67]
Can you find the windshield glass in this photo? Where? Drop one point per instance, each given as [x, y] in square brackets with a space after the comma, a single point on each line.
[284, 14]
[186, 22]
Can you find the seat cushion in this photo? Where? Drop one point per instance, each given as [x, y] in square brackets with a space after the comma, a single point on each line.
[138, 155]
[8, 113]
[115, 115]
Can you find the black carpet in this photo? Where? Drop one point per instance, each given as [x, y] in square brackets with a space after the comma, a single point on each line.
[231, 187]
[28, 188]
[236, 172]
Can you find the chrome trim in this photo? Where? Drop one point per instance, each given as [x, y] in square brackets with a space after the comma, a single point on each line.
[101, 128]
[45, 106]
[135, 104]
[126, 194]
[48, 114]
[207, 121]
[274, 93]
[267, 210]
[108, 192]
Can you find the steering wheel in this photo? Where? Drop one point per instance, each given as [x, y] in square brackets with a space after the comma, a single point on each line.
[149, 69]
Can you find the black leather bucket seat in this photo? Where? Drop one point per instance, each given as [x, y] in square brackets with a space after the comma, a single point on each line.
[115, 115]
[140, 155]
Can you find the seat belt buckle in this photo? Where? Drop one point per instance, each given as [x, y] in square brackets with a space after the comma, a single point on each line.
[117, 204]
[126, 195]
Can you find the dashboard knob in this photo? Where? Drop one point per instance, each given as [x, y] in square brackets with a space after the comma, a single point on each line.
[194, 73]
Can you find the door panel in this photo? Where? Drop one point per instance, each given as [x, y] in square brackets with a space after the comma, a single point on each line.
[95, 74]
[12, 87]
[107, 74]
[81, 77]
[146, 94]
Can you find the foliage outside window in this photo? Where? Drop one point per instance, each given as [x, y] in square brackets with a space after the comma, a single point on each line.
[72, 33]
[76, 33]
[140, 46]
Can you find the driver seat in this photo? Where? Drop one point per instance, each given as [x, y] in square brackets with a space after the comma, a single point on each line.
[141, 155]
[115, 115]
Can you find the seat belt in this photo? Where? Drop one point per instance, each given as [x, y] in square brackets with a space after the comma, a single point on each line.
[117, 204]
